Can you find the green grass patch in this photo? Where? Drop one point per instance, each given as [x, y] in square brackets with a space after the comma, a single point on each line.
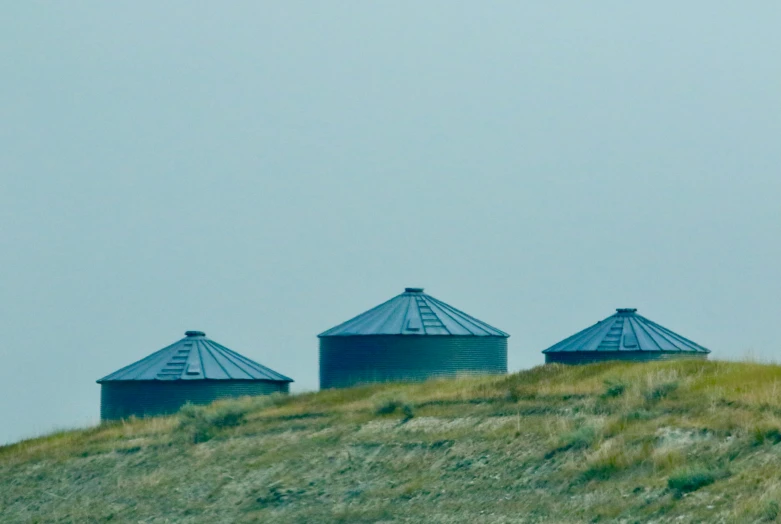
[391, 405]
[764, 434]
[661, 391]
[613, 389]
[691, 479]
[202, 423]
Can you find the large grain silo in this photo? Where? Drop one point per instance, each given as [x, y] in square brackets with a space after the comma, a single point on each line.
[412, 336]
[623, 336]
[194, 369]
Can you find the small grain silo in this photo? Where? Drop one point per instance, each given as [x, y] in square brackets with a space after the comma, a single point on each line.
[412, 336]
[623, 336]
[194, 369]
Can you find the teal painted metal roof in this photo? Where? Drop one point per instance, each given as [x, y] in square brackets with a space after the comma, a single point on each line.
[195, 357]
[626, 331]
[414, 313]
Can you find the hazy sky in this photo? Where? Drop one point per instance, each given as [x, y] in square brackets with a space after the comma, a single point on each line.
[263, 171]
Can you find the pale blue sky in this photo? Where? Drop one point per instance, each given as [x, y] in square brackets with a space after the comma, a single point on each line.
[263, 171]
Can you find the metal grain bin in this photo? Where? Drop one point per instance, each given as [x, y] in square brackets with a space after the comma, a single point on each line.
[623, 336]
[194, 369]
[413, 336]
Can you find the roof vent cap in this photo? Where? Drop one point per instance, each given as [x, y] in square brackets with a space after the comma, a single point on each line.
[413, 290]
[626, 310]
[194, 334]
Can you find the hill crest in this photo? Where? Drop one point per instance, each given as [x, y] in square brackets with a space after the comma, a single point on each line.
[685, 441]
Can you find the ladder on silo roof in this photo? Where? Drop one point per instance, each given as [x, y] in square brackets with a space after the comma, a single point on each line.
[612, 340]
[174, 367]
[427, 315]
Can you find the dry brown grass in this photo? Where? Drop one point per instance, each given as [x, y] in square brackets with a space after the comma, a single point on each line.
[555, 443]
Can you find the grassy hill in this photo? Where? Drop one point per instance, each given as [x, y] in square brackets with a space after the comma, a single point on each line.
[665, 442]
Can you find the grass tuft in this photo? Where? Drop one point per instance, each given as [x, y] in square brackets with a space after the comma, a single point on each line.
[613, 389]
[202, 423]
[691, 479]
[660, 391]
[393, 404]
[770, 511]
[762, 434]
[578, 439]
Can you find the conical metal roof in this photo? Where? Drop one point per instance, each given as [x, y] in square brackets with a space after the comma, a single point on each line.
[627, 331]
[195, 357]
[414, 313]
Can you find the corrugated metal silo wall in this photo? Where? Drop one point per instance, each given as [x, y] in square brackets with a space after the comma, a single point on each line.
[350, 360]
[590, 357]
[146, 398]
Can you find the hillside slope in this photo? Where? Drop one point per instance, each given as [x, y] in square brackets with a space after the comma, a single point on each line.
[663, 442]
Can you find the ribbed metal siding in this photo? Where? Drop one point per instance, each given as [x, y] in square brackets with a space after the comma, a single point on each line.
[346, 361]
[122, 399]
[589, 357]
